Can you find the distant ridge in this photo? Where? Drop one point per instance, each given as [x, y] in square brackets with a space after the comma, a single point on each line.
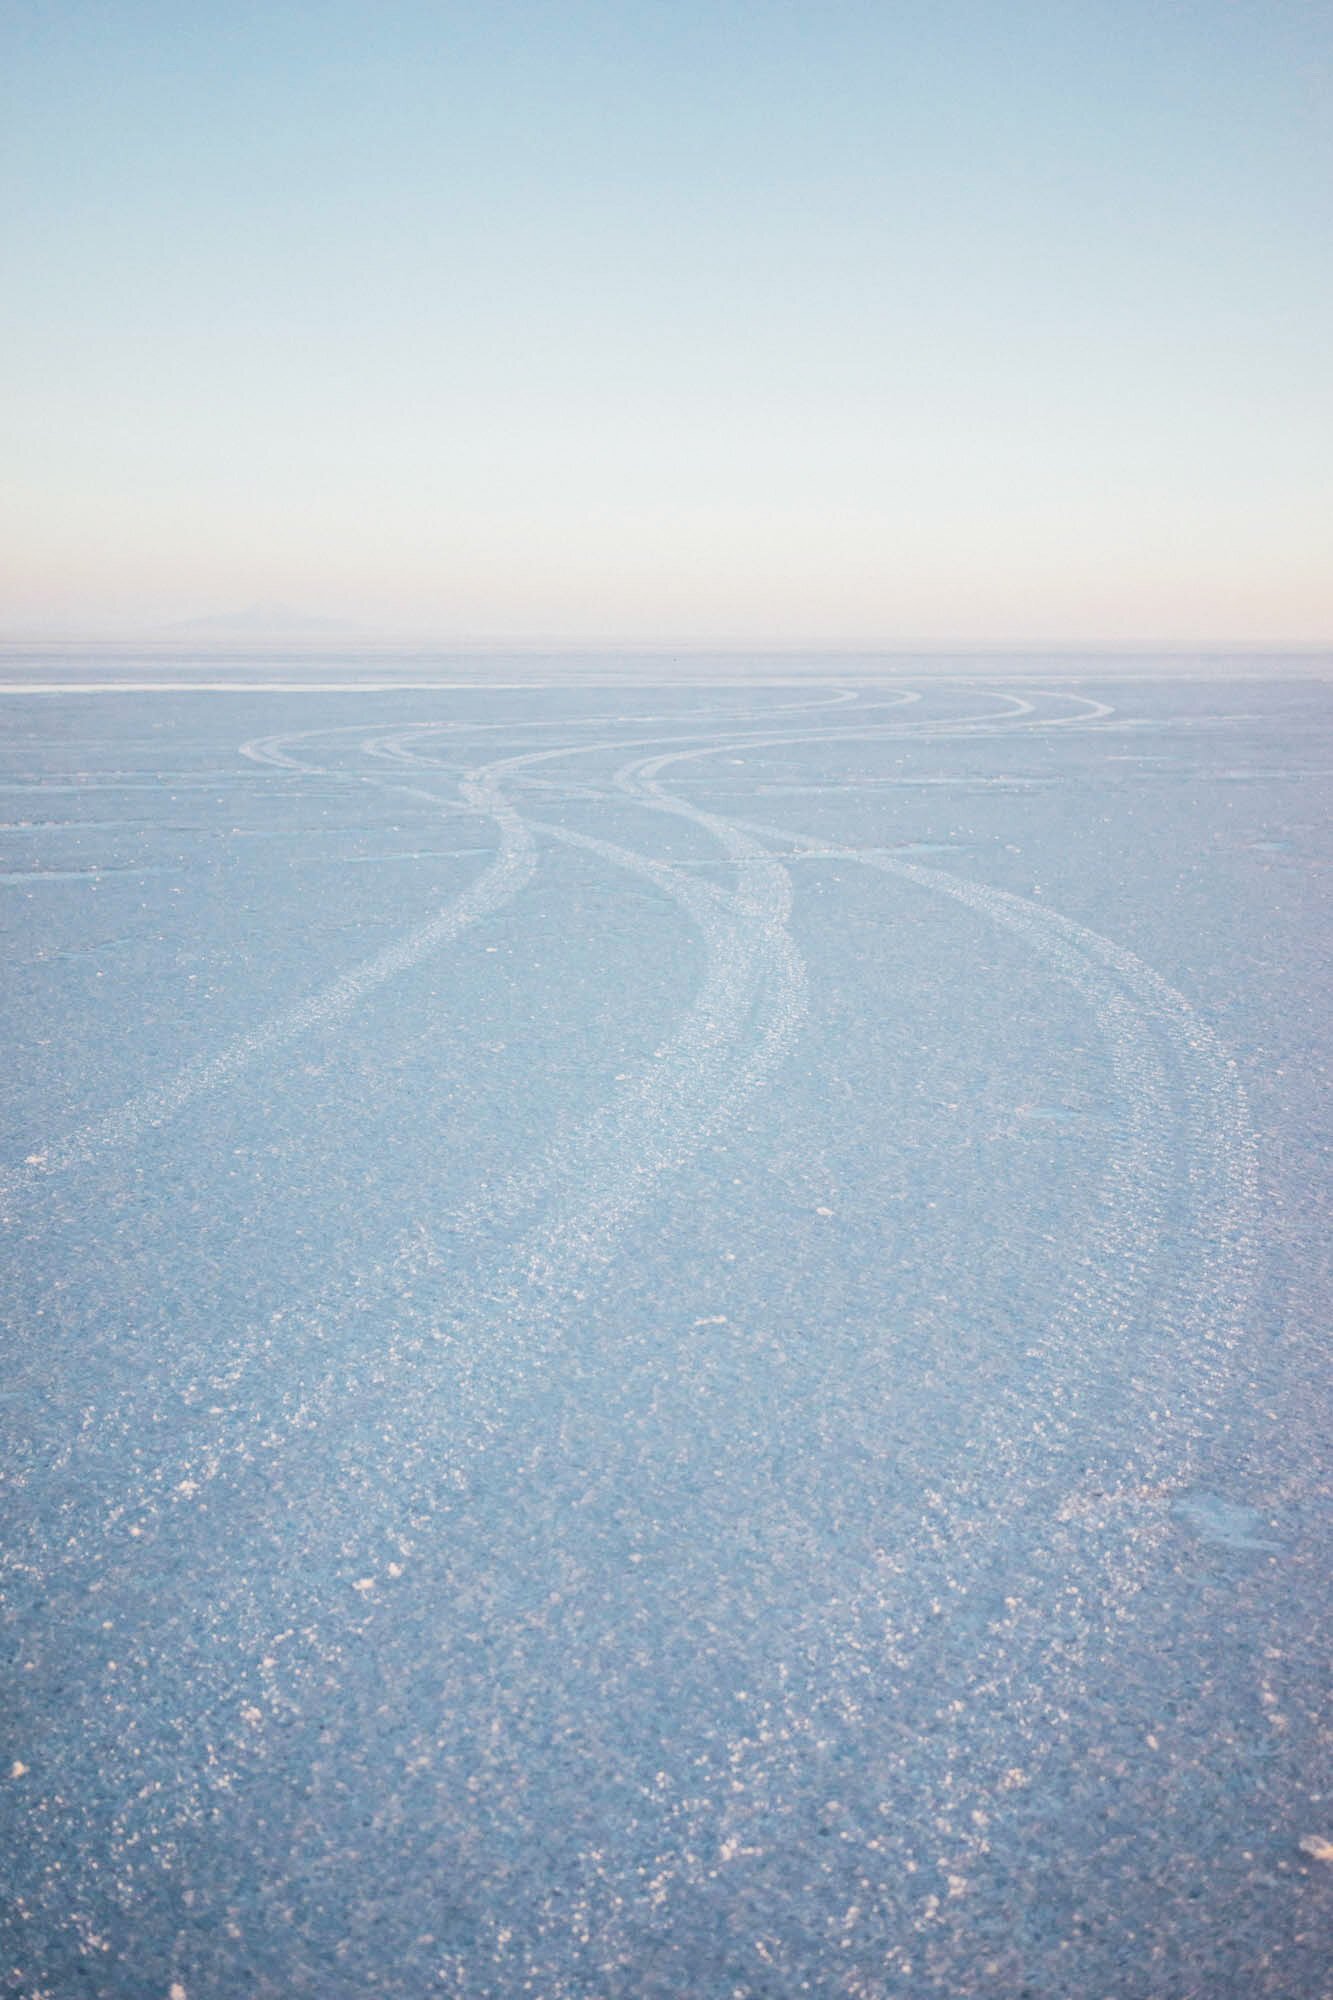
[260, 619]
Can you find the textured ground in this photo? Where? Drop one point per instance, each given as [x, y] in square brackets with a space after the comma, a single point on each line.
[666, 1339]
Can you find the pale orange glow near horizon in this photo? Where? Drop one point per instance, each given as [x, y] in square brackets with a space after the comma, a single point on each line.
[1007, 327]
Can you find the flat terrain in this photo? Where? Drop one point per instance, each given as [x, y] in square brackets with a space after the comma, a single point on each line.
[665, 1339]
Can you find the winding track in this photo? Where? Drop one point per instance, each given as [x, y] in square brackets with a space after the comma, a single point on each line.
[745, 1016]
[1179, 1098]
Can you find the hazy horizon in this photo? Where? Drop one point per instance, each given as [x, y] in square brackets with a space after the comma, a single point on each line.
[746, 325]
[207, 640]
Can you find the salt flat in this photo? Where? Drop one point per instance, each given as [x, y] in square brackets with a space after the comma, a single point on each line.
[665, 1338]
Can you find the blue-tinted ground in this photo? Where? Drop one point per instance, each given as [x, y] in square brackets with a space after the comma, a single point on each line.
[666, 1339]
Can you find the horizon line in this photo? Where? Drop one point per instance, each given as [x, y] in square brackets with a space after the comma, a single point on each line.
[564, 644]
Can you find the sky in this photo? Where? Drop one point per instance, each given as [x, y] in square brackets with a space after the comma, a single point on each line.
[730, 323]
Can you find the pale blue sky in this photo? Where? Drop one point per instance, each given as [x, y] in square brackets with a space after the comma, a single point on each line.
[859, 323]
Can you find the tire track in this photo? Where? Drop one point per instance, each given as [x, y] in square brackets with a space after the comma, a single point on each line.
[736, 1030]
[1134, 1008]
[499, 882]
[917, 1777]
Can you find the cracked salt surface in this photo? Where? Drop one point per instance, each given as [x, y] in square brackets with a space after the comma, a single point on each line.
[677, 1422]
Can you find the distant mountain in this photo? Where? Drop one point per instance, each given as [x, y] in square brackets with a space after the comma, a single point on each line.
[261, 619]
